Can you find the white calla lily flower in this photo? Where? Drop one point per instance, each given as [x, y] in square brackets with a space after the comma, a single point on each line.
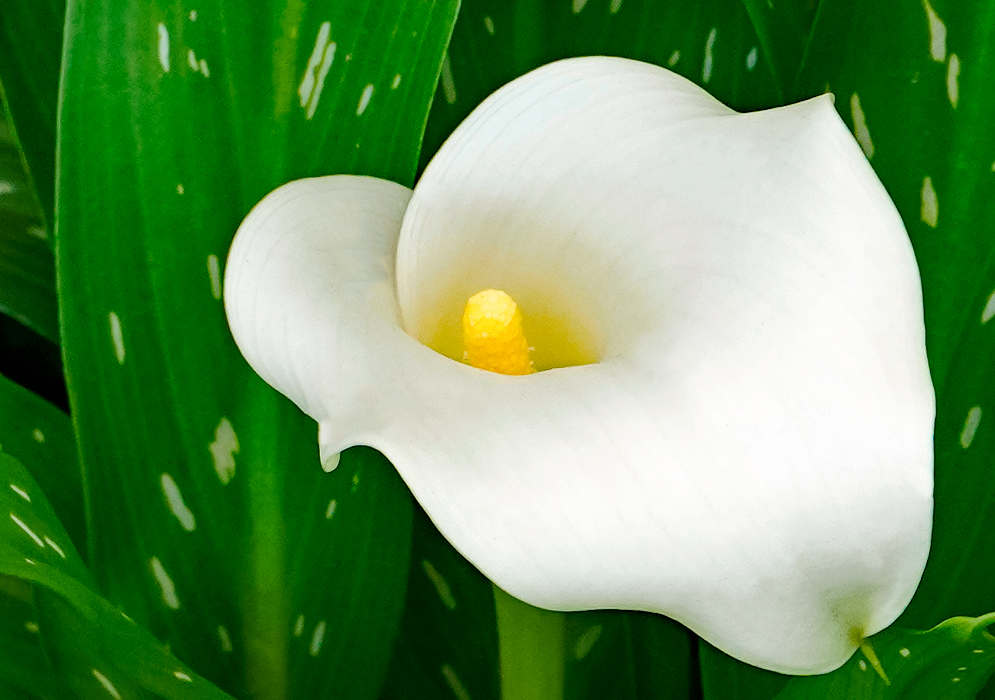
[734, 427]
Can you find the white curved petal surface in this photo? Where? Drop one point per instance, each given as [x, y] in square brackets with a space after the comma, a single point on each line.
[751, 454]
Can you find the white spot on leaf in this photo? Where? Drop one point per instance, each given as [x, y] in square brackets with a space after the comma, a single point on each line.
[182, 676]
[38, 435]
[317, 69]
[192, 60]
[862, 664]
[585, 642]
[56, 547]
[489, 25]
[164, 47]
[751, 59]
[364, 99]
[577, 6]
[317, 637]
[953, 74]
[179, 189]
[937, 34]
[223, 450]
[441, 585]
[31, 627]
[970, 426]
[21, 524]
[299, 626]
[989, 310]
[930, 210]
[330, 511]
[706, 68]
[396, 82]
[860, 131]
[225, 638]
[615, 6]
[205, 71]
[117, 337]
[108, 686]
[20, 492]
[214, 272]
[166, 586]
[175, 501]
[674, 58]
[193, 15]
[454, 683]
[448, 85]
[904, 652]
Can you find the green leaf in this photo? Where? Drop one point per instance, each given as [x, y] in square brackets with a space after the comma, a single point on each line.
[916, 81]
[27, 270]
[41, 437]
[725, 677]
[93, 647]
[25, 671]
[30, 60]
[783, 30]
[627, 656]
[448, 641]
[951, 661]
[210, 519]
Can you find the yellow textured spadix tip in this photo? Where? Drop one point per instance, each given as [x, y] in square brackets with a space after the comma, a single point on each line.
[493, 336]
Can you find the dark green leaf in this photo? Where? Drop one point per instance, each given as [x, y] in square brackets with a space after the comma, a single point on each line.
[211, 521]
[627, 656]
[40, 436]
[30, 60]
[25, 671]
[94, 648]
[725, 677]
[783, 30]
[27, 271]
[448, 641]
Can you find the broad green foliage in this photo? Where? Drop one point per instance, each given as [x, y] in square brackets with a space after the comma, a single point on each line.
[30, 59]
[210, 520]
[90, 644]
[40, 436]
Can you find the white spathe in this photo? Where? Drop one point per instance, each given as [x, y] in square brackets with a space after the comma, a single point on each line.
[752, 452]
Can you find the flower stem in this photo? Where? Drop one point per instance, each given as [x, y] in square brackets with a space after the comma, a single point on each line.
[265, 614]
[531, 645]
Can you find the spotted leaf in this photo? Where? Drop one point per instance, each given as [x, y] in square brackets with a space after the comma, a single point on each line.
[93, 648]
[211, 521]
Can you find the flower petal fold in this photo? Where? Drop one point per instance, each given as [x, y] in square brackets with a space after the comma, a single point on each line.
[751, 450]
